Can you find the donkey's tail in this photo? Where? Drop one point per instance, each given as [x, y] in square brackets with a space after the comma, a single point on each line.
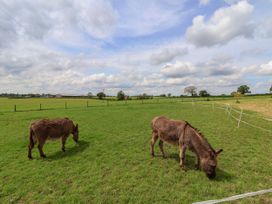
[31, 143]
[31, 139]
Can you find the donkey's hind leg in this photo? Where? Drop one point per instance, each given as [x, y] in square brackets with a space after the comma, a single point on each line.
[30, 147]
[161, 148]
[40, 146]
[153, 141]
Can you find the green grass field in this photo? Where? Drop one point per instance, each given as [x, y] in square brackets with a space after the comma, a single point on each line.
[112, 164]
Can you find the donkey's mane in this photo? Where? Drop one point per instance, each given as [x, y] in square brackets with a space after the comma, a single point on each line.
[201, 135]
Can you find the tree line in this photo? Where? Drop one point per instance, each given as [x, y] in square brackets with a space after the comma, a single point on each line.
[190, 90]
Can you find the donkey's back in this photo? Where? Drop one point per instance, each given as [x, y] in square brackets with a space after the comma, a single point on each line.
[52, 129]
[167, 130]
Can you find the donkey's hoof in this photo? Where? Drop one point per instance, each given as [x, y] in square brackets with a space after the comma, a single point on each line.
[183, 168]
[43, 156]
[152, 154]
[63, 149]
[30, 157]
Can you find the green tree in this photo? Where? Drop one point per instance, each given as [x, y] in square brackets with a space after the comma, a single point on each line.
[101, 95]
[90, 94]
[233, 93]
[203, 93]
[243, 89]
[120, 95]
[270, 89]
[190, 90]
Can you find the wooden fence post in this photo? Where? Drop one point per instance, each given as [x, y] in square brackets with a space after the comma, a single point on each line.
[15, 108]
[107, 102]
[40, 106]
[87, 104]
[240, 118]
[229, 111]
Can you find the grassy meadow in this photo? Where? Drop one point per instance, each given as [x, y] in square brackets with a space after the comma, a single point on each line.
[112, 163]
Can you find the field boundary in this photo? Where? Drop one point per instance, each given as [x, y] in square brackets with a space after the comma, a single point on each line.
[239, 120]
[224, 106]
[236, 197]
[64, 103]
[229, 109]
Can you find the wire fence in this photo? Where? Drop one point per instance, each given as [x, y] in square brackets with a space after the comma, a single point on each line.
[39, 104]
[236, 197]
[235, 113]
[241, 117]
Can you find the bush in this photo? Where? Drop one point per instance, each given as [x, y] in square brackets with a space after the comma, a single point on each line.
[101, 95]
[144, 96]
[120, 95]
[203, 93]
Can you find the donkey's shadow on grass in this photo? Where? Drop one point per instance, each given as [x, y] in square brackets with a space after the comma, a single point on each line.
[190, 166]
[76, 149]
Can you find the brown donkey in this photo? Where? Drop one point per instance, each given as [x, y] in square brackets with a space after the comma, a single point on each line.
[44, 129]
[181, 133]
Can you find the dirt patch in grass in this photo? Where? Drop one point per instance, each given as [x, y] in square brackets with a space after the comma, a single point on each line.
[262, 106]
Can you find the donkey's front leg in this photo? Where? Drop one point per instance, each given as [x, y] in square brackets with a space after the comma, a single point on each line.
[197, 164]
[182, 150]
[161, 148]
[63, 141]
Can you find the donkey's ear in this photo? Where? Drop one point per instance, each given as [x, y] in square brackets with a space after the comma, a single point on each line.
[218, 151]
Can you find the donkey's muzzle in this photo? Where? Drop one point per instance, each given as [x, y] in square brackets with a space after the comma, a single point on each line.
[211, 175]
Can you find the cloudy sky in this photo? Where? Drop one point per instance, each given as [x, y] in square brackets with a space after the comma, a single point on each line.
[154, 46]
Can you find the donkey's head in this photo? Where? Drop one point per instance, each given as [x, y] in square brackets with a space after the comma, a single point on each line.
[209, 163]
[75, 133]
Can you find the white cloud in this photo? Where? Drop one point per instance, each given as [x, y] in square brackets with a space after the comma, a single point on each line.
[264, 28]
[97, 18]
[60, 22]
[178, 81]
[167, 55]
[220, 65]
[225, 24]
[231, 1]
[251, 52]
[141, 18]
[265, 69]
[178, 69]
[204, 2]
